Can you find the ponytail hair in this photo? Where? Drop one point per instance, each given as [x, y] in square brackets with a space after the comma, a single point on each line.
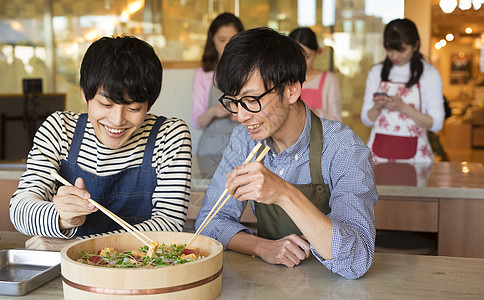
[397, 33]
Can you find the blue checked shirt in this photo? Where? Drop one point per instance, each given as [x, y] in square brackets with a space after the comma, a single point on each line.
[346, 167]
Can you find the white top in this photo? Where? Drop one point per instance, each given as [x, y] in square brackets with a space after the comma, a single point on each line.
[430, 89]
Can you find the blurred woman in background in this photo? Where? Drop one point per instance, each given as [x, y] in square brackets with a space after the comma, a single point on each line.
[208, 114]
[321, 90]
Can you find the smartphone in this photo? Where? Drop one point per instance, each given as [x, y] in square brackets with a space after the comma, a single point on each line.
[380, 94]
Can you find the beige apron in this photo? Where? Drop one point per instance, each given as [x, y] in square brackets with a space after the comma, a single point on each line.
[272, 221]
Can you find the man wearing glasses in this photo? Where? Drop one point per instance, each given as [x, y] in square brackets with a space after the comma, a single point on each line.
[314, 191]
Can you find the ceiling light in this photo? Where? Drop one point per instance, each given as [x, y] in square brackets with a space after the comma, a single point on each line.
[477, 4]
[477, 43]
[448, 6]
[440, 44]
[468, 30]
[465, 4]
[449, 37]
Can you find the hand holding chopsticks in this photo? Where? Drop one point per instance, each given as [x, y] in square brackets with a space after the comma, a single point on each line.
[219, 204]
[128, 227]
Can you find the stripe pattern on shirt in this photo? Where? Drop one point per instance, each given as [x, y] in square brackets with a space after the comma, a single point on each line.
[31, 208]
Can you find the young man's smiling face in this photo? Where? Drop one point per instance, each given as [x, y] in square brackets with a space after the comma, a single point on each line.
[274, 119]
[114, 123]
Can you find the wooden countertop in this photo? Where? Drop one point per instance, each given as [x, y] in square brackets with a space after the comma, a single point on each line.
[444, 180]
[438, 180]
[463, 180]
[392, 276]
[10, 174]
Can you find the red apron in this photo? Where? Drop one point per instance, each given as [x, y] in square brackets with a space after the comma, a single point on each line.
[314, 97]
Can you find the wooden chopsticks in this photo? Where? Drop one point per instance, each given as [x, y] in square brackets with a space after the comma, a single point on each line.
[219, 204]
[128, 227]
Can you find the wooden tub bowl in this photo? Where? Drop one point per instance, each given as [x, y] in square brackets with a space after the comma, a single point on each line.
[201, 279]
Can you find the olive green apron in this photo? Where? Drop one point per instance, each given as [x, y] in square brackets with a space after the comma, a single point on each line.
[272, 221]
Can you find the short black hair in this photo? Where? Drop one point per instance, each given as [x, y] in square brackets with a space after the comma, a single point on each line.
[278, 58]
[125, 68]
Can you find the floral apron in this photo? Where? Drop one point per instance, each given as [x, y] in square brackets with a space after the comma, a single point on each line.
[395, 137]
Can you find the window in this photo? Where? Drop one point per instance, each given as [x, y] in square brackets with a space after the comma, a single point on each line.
[47, 39]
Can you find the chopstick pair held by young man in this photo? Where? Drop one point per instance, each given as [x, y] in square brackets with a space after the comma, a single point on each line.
[119, 150]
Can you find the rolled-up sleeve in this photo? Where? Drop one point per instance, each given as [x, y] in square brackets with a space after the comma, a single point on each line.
[352, 202]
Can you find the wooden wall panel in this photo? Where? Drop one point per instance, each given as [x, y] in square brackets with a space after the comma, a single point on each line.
[7, 188]
[461, 227]
[394, 213]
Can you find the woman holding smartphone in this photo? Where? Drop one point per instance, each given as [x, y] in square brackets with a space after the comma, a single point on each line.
[403, 98]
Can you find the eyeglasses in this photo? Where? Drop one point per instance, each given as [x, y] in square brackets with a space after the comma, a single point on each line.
[249, 103]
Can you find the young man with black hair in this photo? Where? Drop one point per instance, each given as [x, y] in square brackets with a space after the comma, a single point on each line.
[134, 163]
[314, 191]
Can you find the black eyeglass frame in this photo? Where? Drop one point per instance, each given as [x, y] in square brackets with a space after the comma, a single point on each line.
[236, 102]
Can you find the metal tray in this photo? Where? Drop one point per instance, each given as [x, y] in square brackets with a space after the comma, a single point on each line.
[22, 271]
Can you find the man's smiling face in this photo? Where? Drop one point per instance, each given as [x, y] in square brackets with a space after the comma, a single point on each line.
[273, 115]
[115, 123]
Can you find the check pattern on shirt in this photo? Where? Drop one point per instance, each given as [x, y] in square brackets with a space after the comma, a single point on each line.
[346, 167]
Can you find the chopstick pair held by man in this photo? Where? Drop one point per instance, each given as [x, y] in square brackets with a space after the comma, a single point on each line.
[314, 191]
[118, 154]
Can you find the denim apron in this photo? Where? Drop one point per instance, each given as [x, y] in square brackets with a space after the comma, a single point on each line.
[128, 193]
[272, 221]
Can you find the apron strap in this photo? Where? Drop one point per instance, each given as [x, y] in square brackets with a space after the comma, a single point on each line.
[321, 82]
[77, 139]
[150, 144]
[272, 221]
[315, 149]
[419, 97]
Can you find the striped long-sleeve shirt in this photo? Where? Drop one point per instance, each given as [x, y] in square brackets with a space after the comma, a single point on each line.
[32, 211]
